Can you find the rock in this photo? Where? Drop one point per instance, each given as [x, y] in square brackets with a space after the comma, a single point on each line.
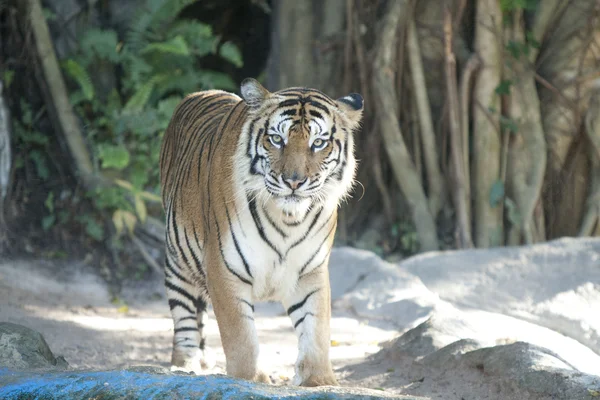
[521, 370]
[24, 348]
[161, 384]
[547, 294]
[554, 284]
[532, 368]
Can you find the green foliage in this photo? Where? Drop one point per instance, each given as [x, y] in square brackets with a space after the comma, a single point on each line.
[511, 5]
[503, 87]
[496, 193]
[156, 64]
[31, 143]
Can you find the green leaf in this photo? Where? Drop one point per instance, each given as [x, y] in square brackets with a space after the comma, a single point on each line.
[41, 167]
[231, 53]
[80, 75]
[177, 45]
[7, 77]
[48, 222]
[496, 193]
[140, 208]
[139, 100]
[49, 203]
[102, 44]
[504, 87]
[513, 214]
[508, 124]
[113, 156]
[217, 80]
[94, 229]
[49, 15]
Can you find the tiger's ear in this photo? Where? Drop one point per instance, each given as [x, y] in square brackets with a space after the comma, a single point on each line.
[253, 92]
[351, 106]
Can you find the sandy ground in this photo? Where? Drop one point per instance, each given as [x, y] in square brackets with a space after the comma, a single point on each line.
[71, 307]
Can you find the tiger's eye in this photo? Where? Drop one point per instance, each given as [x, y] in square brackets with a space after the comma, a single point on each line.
[276, 140]
[318, 142]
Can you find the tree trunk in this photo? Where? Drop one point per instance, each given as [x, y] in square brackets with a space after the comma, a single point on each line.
[569, 56]
[486, 124]
[386, 102]
[5, 163]
[435, 182]
[527, 153]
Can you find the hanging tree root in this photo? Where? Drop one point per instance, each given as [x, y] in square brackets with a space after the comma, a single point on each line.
[437, 190]
[386, 104]
[461, 196]
[591, 219]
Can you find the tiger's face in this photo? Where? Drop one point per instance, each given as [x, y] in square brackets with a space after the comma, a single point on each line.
[300, 145]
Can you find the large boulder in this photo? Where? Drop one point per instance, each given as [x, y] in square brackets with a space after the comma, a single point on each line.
[467, 369]
[157, 383]
[24, 348]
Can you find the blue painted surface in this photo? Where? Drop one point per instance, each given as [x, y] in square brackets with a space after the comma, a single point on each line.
[106, 385]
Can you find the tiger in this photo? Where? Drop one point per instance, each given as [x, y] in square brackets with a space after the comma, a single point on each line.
[250, 187]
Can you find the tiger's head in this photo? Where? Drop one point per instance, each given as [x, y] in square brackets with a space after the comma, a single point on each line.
[298, 145]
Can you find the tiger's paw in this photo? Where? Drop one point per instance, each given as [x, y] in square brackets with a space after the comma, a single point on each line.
[320, 380]
[314, 374]
[262, 378]
[196, 361]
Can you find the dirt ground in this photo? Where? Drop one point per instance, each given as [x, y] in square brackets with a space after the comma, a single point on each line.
[70, 305]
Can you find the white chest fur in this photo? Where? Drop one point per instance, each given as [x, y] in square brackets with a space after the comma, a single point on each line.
[272, 251]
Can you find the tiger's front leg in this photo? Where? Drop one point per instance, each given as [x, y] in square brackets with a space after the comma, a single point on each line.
[234, 311]
[309, 307]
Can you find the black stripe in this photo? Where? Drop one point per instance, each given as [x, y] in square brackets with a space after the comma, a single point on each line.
[174, 272]
[177, 240]
[300, 275]
[241, 278]
[301, 303]
[316, 252]
[249, 304]
[260, 227]
[291, 111]
[315, 114]
[237, 245]
[321, 107]
[312, 224]
[178, 303]
[288, 103]
[185, 329]
[301, 320]
[187, 318]
[179, 290]
[194, 255]
[274, 224]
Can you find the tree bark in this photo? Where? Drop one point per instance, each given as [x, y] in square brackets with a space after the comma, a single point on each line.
[486, 124]
[292, 63]
[386, 105]
[592, 130]
[569, 53]
[461, 198]
[64, 119]
[435, 181]
[5, 163]
[527, 151]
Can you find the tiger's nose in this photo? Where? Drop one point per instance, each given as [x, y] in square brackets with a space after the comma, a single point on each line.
[295, 181]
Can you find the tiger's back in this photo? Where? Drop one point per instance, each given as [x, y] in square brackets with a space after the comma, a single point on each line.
[250, 189]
